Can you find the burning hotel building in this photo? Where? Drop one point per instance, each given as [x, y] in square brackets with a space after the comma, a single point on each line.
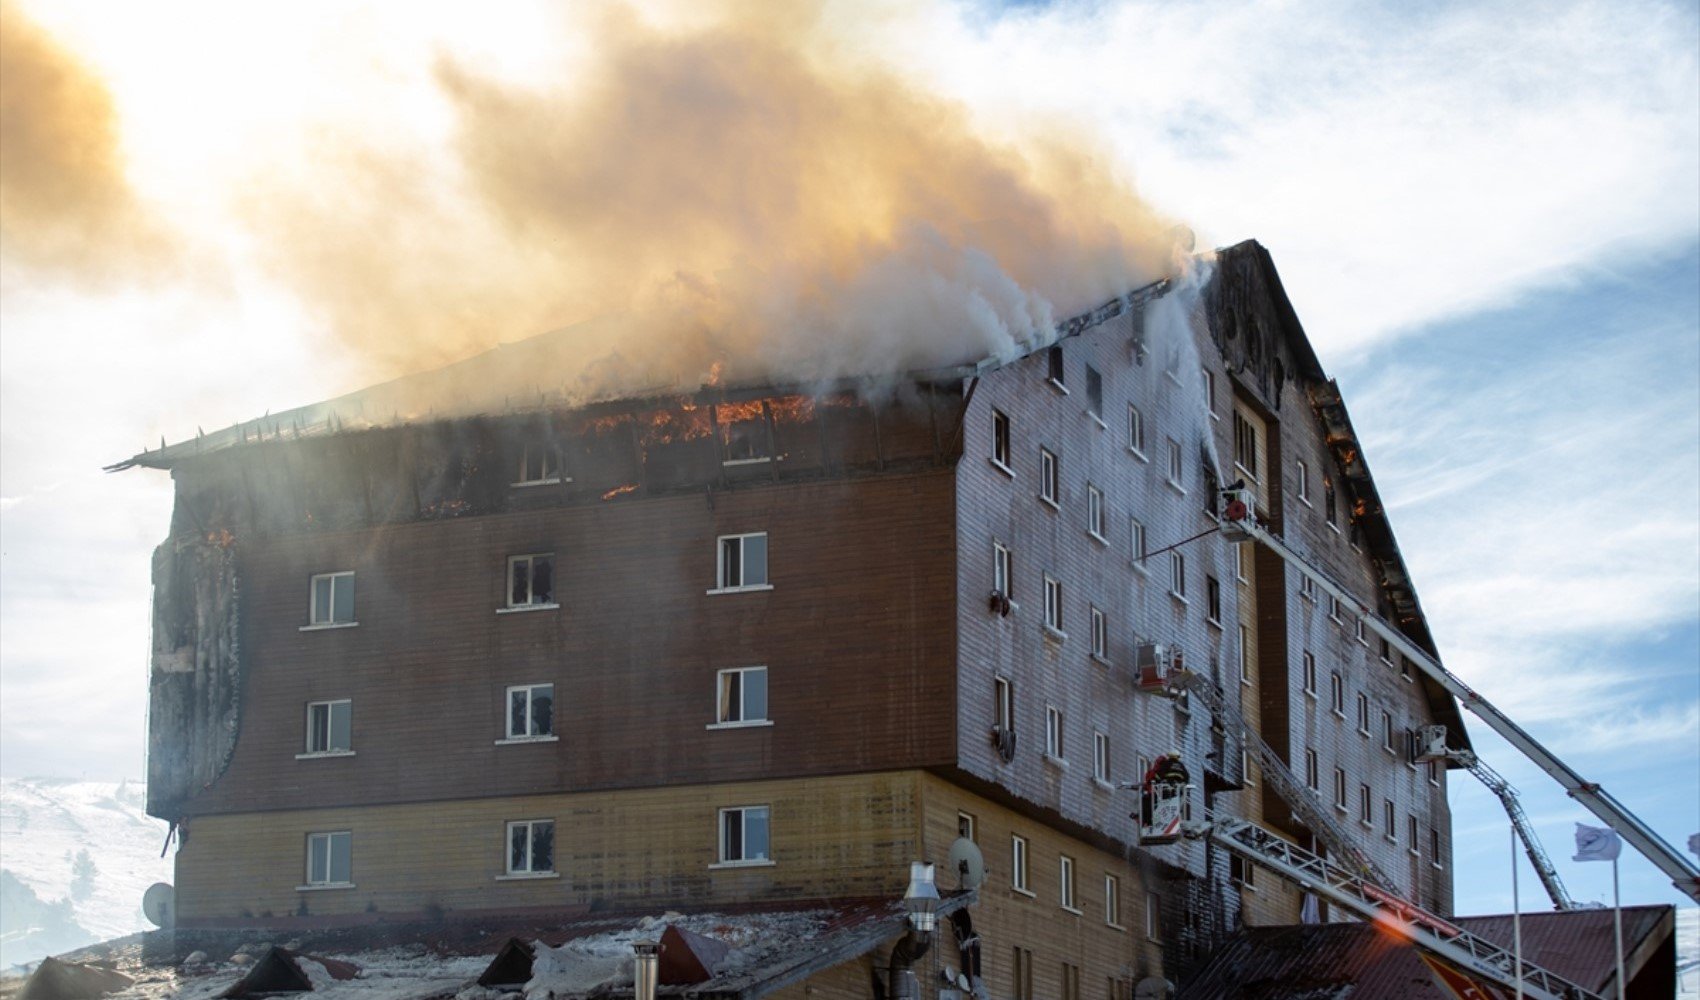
[749, 648]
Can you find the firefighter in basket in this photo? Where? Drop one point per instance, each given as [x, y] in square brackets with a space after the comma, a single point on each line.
[1161, 795]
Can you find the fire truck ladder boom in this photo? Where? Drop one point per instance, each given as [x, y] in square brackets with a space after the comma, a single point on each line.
[1683, 874]
[1454, 945]
[1507, 795]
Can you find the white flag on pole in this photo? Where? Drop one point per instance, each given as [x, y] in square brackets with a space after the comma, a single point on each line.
[1694, 844]
[1596, 843]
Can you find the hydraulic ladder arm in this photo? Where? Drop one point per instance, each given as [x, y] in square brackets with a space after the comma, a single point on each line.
[1239, 523]
[1507, 795]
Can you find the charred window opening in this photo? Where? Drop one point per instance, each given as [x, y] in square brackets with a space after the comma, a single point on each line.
[1094, 392]
[1245, 446]
[531, 711]
[1328, 500]
[531, 847]
[743, 562]
[743, 432]
[1054, 366]
[531, 580]
[329, 729]
[1241, 871]
[539, 465]
[332, 599]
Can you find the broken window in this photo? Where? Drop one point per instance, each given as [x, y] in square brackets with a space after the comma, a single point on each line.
[1000, 440]
[1094, 392]
[1135, 430]
[531, 711]
[531, 580]
[328, 727]
[332, 597]
[1307, 587]
[743, 432]
[1054, 366]
[531, 847]
[330, 859]
[1210, 393]
[1240, 871]
[743, 696]
[539, 464]
[743, 835]
[1328, 498]
[1050, 477]
[743, 561]
[1095, 512]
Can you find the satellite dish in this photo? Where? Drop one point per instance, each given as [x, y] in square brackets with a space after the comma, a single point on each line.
[1153, 988]
[968, 863]
[159, 905]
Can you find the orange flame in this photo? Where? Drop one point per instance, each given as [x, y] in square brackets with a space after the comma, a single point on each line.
[619, 491]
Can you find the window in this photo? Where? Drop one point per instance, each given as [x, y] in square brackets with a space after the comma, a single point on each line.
[1245, 655]
[1309, 662]
[1000, 440]
[1177, 467]
[1136, 543]
[328, 728]
[1241, 872]
[1389, 821]
[1049, 477]
[1210, 393]
[1386, 652]
[1366, 807]
[1240, 561]
[1018, 864]
[1021, 973]
[1301, 481]
[1335, 612]
[1065, 882]
[744, 436]
[1245, 446]
[1313, 776]
[742, 697]
[1245, 767]
[1070, 981]
[1095, 512]
[531, 847]
[743, 835]
[1307, 587]
[1053, 603]
[1101, 756]
[1153, 916]
[1004, 691]
[1363, 713]
[1177, 575]
[1340, 789]
[539, 465]
[1387, 732]
[1100, 634]
[1434, 856]
[1094, 392]
[531, 581]
[1003, 570]
[1212, 600]
[1434, 773]
[966, 827]
[531, 711]
[1405, 668]
[1054, 366]
[1411, 836]
[1135, 431]
[743, 562]
[1328, 500]
[1054, 732]
[332, 599]
[1337, 694]
[1361, 631]
[330, 859]
[1113, 901]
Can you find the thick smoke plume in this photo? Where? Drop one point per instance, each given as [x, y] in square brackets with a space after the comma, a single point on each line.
[66, 210]
[746, 189]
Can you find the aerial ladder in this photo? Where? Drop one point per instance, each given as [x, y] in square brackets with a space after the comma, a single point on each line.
[1431, 745]
[1238, 523]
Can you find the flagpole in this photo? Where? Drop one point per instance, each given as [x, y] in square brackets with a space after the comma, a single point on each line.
[1516, 917]
[1617, 914]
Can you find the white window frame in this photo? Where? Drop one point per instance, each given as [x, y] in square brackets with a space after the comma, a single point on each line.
[1136, 544]
[1341, 787]
[1095, 394]
[527, 736]
[1003, 692]
[1387, 741]
[1212, 600]
[1050, 478]
[1065, 884]
[1177, 575]
[1302, 477]
[1239, 550]
[1366, 806]
[1176, 471]
[529, 871]
[310, 752]
[1003, 570]
[722, 583]
[1307, 676]
[1363, 715]
[1113, 902]
[1336, 610]
[1136, 432]
[1362, 632]
[1245, 657]
[1153, 917]
[1389, 821]
[1245, 432]
[743, 720]
[330, 838]
[1095, 513]
[1054, 733]
[314, 623]
[549, 470]
[1001, 438]
[530, 561]
[1307, 588]
[1313, 771]
[1414, 833]
[967, 827]
[1336, 693]
[1210, 393]
[1018, 864]
[745, 813]
[1100, 635]
[1053, 605]
[1101, 756]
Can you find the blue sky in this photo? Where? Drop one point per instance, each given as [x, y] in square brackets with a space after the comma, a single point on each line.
[1488, 219]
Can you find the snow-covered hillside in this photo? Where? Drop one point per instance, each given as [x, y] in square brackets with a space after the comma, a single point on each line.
[75, 858]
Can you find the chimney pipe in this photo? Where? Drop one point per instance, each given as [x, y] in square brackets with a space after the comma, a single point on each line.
[646, 964]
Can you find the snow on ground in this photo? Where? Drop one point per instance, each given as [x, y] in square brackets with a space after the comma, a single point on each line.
[1688, 951]
[79, 855]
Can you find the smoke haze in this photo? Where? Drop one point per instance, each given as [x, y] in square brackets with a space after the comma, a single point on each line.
[744, 188]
